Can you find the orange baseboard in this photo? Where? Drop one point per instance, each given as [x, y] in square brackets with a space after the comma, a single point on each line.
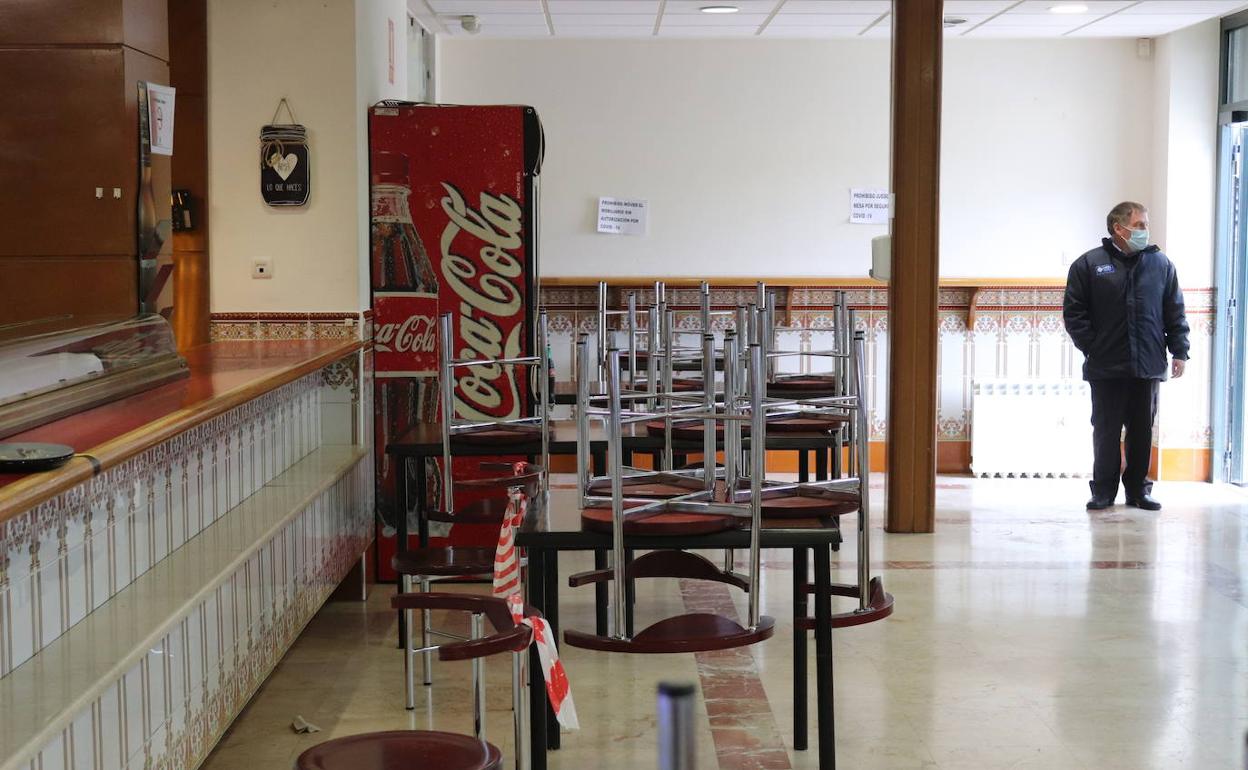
[1185, 464]
[953, 457]
[777, 462]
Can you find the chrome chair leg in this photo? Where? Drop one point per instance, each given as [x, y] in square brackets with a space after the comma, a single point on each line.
[426, 629]
[409, 675]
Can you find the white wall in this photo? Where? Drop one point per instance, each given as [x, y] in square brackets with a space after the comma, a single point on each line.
[381, 73]
[746, 150]
[330, 59]
[1040, 138]
[258, 53]
[1186, 149]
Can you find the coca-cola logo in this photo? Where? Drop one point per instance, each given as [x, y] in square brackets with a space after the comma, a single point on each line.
[416, 334]
[488, 297]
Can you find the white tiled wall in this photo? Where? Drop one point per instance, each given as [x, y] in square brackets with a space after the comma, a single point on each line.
[73, 553]
[169, 709]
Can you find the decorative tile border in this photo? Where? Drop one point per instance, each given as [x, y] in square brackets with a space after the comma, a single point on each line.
[290, 326]
[999, 332]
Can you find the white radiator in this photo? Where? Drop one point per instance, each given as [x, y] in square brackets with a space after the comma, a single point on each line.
[1031, 428]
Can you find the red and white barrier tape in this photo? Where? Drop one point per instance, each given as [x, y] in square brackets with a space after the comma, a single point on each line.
[507, 556]
[507, 585]
[557, 687]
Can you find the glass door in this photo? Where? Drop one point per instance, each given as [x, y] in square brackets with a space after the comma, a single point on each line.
[1230, 353]
[1231, 463]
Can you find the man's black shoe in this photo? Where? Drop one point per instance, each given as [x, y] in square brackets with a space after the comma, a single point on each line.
[1098, 503]
[1144, 502]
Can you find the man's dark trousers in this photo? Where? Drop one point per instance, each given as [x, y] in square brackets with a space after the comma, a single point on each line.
[1131, 403]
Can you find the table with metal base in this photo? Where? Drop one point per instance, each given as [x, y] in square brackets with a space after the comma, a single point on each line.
[557, 527]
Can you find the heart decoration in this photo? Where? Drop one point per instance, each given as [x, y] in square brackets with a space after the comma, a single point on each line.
[284, 166]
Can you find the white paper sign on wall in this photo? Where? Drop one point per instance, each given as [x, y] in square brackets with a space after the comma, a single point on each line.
[869, 206]
[623, 216]
[160, 118]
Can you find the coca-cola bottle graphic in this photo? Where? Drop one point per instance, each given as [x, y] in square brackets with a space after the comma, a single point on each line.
[399, 259]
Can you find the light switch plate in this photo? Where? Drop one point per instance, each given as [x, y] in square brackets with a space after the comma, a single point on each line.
[262, 267]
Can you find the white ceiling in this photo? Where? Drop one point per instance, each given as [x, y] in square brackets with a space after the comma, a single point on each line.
[808, 18]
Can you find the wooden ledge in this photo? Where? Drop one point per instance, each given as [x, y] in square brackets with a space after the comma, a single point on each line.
[224, 375]
[972, 282]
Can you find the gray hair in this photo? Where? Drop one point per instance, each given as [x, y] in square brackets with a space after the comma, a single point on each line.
[1121, 215]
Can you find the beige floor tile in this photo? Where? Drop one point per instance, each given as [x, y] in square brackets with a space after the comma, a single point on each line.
[1027, 634]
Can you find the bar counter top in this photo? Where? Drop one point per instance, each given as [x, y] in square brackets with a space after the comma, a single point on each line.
[222, 376]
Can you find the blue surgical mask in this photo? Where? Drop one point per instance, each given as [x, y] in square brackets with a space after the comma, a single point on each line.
[1138, 240]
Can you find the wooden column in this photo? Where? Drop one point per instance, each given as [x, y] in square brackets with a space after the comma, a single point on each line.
[912, 323]
[188, 72]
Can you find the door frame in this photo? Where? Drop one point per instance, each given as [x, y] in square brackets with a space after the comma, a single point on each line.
[1231, 320]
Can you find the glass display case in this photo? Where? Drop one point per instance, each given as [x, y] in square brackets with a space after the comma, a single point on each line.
[53, 375]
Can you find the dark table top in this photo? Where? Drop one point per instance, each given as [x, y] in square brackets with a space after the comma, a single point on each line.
[425, 440]
[557, 526]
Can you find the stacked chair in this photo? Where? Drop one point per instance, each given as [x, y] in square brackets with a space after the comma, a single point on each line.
[709, 498]
[424, 566]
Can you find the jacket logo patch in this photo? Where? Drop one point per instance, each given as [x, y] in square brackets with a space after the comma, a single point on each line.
[1103, 269]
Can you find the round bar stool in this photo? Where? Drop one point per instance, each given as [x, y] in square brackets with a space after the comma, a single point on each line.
[404, 749]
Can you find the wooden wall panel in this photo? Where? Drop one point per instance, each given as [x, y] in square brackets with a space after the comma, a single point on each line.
[140, 24]
[52, 156]
[188, 72]
[44, 294]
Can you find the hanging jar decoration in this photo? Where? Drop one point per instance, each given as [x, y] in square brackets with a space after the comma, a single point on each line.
[284, 166]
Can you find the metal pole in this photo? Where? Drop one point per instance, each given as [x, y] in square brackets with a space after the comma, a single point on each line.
[677, 747]
[632, 340]
[708, 406]
[851, 428]
[704, 305]
[614, 449]
[519, 723]
[478, 681]
[760, 295]
[543, 377]
[864, 475]
[583, 471]
[732, 428]
[732, 431]
[602, 327]
[743, 339]
[652, 354]
[668, 364]
[447, 372]
[769, 337]
[758, 459]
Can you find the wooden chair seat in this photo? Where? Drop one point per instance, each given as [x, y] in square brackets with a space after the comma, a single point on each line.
[510, 434]
[659, 523]
[402, 750]
[808, 386]
[692, 430]
[444, 562]
[694, 632]
[796, 506]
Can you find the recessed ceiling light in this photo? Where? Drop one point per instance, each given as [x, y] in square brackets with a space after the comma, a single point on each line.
[719, 9]
[1068, 8]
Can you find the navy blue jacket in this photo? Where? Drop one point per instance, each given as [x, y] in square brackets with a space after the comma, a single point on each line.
[1123, 312]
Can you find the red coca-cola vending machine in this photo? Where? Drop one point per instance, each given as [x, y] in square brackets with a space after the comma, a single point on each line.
[454, 214]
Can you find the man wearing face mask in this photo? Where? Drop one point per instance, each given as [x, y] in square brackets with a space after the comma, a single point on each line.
[1124, 310]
